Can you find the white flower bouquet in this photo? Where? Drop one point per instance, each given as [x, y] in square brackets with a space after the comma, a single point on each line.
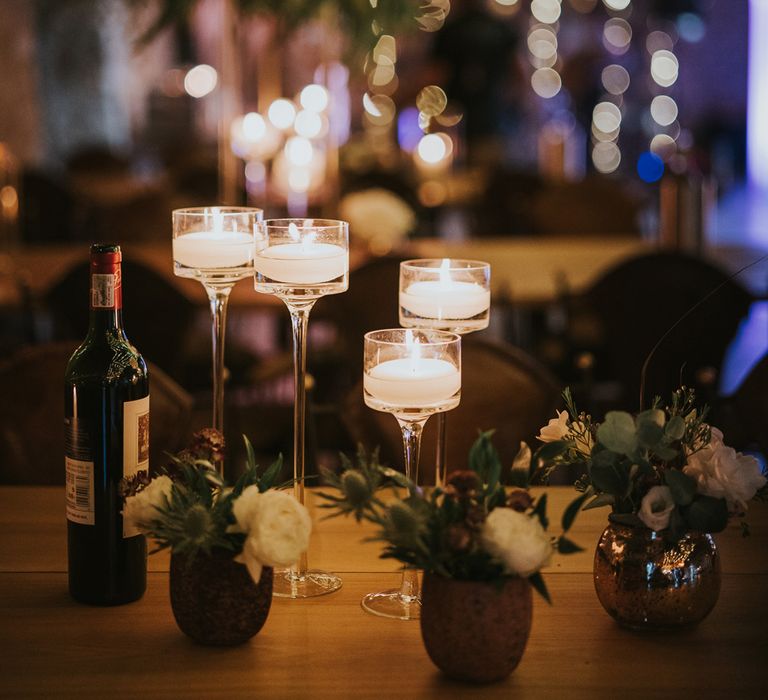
[191, 510]
[474, 529]
[665, 468]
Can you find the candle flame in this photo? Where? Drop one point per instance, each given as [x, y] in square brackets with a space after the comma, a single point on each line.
[445, 271]
[414, 349]
[218, 220]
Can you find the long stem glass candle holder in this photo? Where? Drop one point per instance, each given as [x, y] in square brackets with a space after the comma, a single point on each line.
[215, 246]
[449, 295]
[411, 374]
[300, 260]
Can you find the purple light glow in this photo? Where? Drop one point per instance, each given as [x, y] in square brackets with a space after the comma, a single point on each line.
[757, 94]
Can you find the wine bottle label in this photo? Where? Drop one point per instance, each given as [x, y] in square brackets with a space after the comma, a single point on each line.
[78, 463]
[80, 500]
[135, 444]
[103, 291]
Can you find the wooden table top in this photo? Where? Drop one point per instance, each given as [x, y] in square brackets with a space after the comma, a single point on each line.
[328, 647]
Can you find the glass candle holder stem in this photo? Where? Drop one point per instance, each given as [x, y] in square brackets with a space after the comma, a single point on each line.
[411, 430]
[441, 454]
[299, 311]
[218, 296]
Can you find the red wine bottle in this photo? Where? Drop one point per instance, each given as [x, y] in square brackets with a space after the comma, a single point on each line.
[106, 425]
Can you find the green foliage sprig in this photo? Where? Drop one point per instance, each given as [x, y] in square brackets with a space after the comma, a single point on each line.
[440, 530]
[195, 515]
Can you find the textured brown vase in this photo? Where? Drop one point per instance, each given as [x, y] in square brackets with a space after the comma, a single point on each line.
[473, 630]
[649, 584]
[215, 601]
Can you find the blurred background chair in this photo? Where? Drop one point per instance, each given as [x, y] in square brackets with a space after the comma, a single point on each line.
[32, 415]
[634, 304]
[502, 388]
[158, 317]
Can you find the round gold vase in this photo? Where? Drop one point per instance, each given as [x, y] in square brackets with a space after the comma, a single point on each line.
[473, 630]
[215, 601]
[649, 584]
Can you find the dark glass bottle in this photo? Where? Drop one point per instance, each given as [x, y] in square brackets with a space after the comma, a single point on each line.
[106, 438]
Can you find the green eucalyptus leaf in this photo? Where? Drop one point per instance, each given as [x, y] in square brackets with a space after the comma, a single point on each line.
[675, 429]
[613, 479]
[649, 434]
[654, 416]
[618, 432]
[566, 546]
[537, 581]
[707, 514]
[570, 513]
[664, 452]
[550, 451]
[602, 499]
[250, 454]
[540, 511]
[682, 486]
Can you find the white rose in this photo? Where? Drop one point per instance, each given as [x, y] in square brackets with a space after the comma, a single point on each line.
[517, 540]
[277, 528]
[378, 216]
[556, 429]
[656, 507]
[140, 510]
[722, 472]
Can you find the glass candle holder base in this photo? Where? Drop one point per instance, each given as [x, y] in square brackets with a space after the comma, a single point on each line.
[393, 604]
[289, 584]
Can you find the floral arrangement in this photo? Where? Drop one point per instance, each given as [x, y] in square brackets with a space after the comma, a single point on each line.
[190, 509]
[665, 468]
[474, 529]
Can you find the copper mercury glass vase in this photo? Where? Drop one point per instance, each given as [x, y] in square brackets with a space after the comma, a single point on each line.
[647, 583]
[214, 599]
[475, 631]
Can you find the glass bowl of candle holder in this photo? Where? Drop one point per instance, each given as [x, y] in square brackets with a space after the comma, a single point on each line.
[300, 260]
[215, 246]
[445, 294]
[412, 374]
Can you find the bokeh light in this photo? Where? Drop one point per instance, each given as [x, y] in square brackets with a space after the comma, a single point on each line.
[281, 113]
[431, 100]
[664, 67]
[615, 79]
[385, 49]
[254, 126]
[691, 27]
[617, 4]
[408, 130]
[617, 34]
[546, 82]
[379, 109]
[606, 117]
[434, 148]
[200, 80]
[542, 43]
[308, 124]
[299, 151]
[547, 11]
[650, 167]
[606, 157]
[663, 146]
[658, 41]
[663, 110]
[314, 98]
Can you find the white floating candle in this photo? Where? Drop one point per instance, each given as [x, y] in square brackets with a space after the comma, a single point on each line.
[412, 382]
[445, 298]
[207, 250]
[302, 263]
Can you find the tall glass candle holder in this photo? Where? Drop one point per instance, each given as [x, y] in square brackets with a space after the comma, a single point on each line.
[215, 246]
[449, 295]
[300, 260]
[411, 374]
